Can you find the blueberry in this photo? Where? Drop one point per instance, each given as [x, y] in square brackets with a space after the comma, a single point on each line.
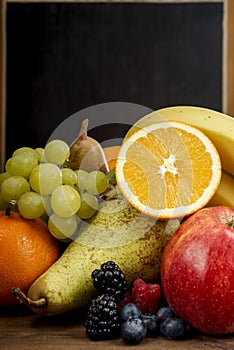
[173, 328]
[164, 312]
[130, 310]
[151, 325]
[133, 331]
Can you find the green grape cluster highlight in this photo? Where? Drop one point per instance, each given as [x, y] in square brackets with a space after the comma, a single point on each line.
[38, 184]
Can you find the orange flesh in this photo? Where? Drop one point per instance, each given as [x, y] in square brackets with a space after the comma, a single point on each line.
[180, 180]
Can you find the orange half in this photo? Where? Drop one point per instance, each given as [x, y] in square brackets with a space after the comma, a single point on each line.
[168, 170]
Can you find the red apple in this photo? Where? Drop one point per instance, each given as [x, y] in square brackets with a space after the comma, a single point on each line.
[197, 270]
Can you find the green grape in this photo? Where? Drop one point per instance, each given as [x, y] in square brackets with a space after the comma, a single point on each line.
[13, 188]
[45, 178]
[88, 206]
[39, 152]
[3, 203]
[30, 205]
[81, 175]
[20, 150]
[47, 204]
[62, 228]
[65, 200]
[56, 151]
[96, 182]
[21, 164]
[3, 177]
[69, 177]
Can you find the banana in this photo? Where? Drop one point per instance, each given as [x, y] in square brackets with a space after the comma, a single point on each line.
[217, 126]
[225, 192]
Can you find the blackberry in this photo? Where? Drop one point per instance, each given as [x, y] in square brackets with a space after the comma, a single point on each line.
[110, 280]
[102, 320]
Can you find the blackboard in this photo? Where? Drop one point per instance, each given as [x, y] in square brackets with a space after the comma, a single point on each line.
[64, 57]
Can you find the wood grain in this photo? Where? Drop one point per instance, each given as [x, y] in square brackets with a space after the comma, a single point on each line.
[20, 329]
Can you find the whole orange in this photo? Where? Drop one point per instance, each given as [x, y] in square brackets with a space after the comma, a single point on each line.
[27, 249]
[111, 154]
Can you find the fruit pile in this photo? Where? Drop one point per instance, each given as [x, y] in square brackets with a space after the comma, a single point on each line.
[144, 250]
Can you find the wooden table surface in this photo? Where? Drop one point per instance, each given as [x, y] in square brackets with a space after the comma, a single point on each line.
[21, 329]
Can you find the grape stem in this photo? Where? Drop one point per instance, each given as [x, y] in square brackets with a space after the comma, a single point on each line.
[23, 299]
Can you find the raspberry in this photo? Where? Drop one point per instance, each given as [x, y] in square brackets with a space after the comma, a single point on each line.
[146, 296]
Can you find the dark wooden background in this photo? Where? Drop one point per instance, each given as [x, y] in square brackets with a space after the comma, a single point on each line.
[64, 57]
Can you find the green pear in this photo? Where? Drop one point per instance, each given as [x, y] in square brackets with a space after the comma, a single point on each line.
[117, 232]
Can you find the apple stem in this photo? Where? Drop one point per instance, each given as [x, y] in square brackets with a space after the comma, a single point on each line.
[230, 223]
[23, 299]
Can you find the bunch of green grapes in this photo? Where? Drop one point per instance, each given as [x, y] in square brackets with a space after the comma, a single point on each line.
[40, 186]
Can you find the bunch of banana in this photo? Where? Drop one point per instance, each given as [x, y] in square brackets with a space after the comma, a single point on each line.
[218, 127]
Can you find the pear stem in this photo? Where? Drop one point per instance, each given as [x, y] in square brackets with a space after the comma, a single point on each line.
[83, 130]
[23, 299]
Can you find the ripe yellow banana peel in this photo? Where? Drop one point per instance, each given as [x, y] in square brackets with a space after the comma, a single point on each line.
[217, 126]
[225, 192]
